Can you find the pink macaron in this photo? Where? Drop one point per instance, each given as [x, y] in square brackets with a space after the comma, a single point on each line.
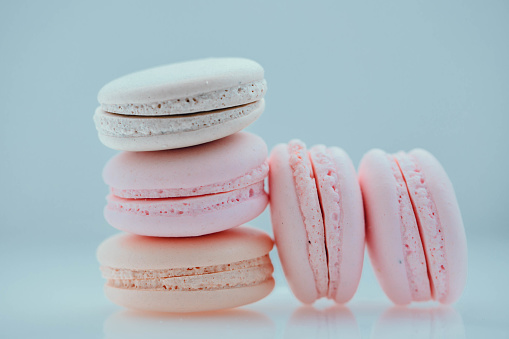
[318, 221]
[414, 230]
[215, 271]
[190, 191]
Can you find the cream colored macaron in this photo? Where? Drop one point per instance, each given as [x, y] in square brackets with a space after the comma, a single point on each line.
[181, 104]
[216, 271]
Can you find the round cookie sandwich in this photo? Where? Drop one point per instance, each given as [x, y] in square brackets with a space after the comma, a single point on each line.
[190, 191]
[414, 230]
[194, 274]
[318, 221]
[181, 104]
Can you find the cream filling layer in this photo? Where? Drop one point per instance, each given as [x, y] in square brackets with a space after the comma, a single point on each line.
[219, 99]
[429, 224]
[168, 207]
[309, 205]
[130, 126]
[414, 259]
[238, 274]
[254, 176]
[327, 182]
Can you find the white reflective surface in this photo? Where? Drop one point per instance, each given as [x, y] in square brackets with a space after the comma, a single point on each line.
[278, 317]
[57, 292]
[237, 323]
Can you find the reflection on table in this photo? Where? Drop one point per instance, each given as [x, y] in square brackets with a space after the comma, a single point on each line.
[416, 323]
[333, 322]
[236, 323]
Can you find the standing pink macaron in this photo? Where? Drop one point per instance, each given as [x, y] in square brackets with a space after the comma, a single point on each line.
[216, 271]
[318, 221]
[190, 191]
[415, 235]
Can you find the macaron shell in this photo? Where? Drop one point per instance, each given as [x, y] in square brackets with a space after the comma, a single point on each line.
[164, 133]
[180, 80]
[216, 162]
[352, 221]
[205, 217]
[188, 301]
[289, 229]
[129, 251]
[383, 233]
[442, 191]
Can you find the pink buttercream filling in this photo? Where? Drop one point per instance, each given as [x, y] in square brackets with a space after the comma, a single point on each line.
[238, 274]
[309, 206]
[124, 273]
[429, 224]
[170, 207]
[327, 181]
[254, 176]
[414, 259]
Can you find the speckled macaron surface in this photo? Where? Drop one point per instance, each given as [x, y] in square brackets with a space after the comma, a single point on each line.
[181, 104]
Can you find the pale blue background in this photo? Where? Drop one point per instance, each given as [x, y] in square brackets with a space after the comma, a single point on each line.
[393, 75]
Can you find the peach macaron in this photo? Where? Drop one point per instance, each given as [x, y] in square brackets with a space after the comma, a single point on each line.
[216, 271]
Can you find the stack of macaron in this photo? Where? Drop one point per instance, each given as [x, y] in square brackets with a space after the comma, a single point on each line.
[187, 176]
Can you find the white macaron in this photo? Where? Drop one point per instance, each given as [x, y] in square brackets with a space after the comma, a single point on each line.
[180, 105]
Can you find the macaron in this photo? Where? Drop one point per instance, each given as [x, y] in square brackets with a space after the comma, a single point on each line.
[318, 221]
[180, 105]
[190, 191]
[216, 271]
[414, 230]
